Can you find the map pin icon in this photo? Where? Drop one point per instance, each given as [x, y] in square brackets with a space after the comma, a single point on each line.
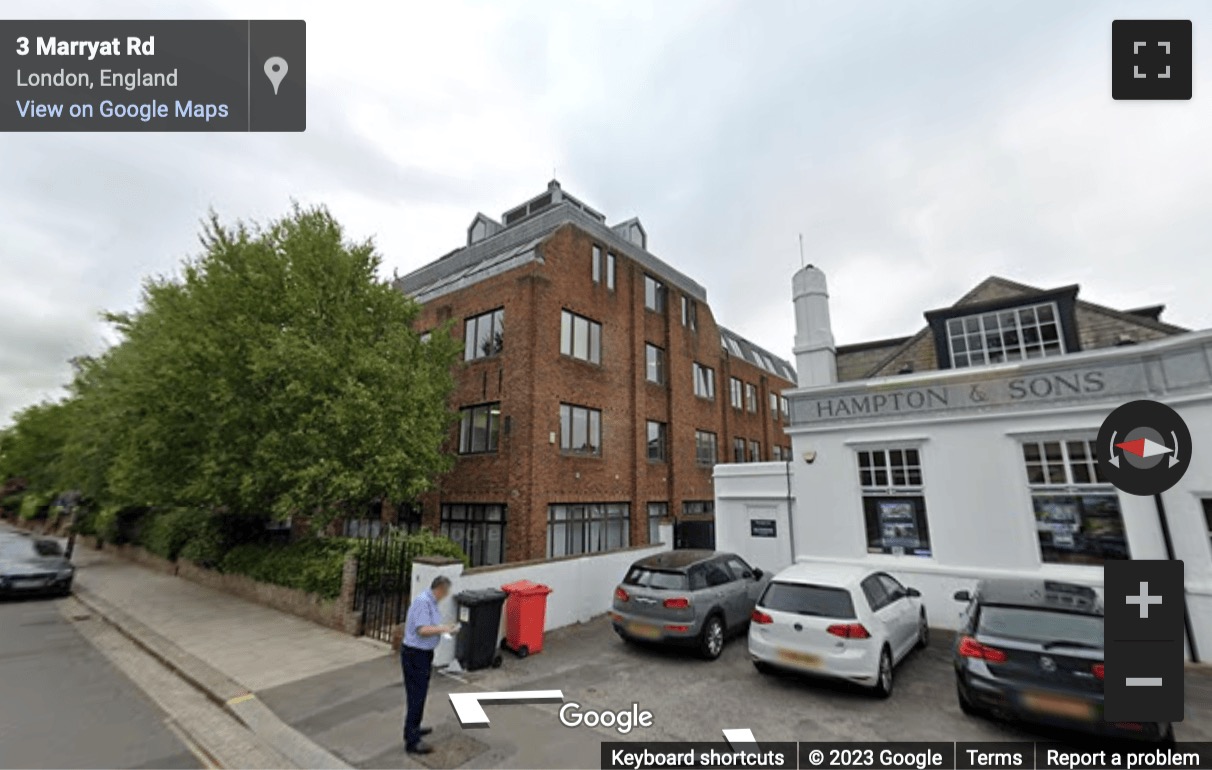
[275, 70]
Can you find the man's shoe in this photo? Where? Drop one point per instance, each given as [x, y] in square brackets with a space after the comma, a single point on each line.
[420, 748]
[425, 731]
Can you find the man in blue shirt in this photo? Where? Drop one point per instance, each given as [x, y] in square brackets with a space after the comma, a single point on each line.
[423, 629]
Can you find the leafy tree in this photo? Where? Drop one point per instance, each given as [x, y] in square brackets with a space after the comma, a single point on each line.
[276, 375]
[30, 448]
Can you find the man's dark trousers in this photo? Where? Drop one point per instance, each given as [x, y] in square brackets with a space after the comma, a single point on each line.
[417, 665]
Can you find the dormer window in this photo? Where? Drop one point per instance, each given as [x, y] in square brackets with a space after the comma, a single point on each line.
[1011, 334]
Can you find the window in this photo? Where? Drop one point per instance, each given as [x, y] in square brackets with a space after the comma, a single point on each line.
[580, 337]
[894, 502]
[580, 430]
[484, 335]
[776, 453]
[704, 381]
[1005, 335]
[704, 447]
[595, 265]
[774, 406]
[655, 358]
[658, 439]
[875, 593]
[657, 512]
[425, 336]
[654, 294]
[812, 600]
[716, 573]
[690, 314]
[755, 451]
[1077, 515]
[751, 397]
[590, 528]
[478, 529]
[698, 507]
[658, 579]
[738, 450]
[785, 408]
[479, 428]
[610, 271]
[734, 389]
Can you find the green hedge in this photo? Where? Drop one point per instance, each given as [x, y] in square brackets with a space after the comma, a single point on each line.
[169, 532]
[313, 565]
[34, 505]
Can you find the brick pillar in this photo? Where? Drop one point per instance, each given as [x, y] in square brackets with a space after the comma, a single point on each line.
[350, 618]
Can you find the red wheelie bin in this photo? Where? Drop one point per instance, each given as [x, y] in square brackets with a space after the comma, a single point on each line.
[525, 616]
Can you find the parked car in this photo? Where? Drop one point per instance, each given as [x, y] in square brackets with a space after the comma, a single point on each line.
[31, 565]
[844, 622]
[692, 597]
[1032, 650]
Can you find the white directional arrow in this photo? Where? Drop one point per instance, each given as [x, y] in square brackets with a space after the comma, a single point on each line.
[739, 738]
[470, 711]
[1143, 447]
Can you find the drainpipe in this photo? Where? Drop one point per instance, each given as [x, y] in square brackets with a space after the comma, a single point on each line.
[1165, 530]
[790, 517]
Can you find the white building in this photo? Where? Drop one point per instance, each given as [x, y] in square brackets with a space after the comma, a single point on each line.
[966, 450]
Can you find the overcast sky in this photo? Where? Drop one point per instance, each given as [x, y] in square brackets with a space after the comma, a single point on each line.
[918, 147]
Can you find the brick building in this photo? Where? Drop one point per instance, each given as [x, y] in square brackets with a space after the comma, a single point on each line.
[597, 390]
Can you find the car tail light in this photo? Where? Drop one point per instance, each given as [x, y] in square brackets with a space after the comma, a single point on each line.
[677, 603]
[679, 629]
[621, 594]
[970, 648]
[761, 618]
[1098, 670]
[1134, 726]
[849, 630]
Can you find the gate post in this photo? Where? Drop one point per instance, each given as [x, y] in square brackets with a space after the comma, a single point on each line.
[351, 619]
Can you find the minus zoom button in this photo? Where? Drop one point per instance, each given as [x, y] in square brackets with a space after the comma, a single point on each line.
[1143, 681]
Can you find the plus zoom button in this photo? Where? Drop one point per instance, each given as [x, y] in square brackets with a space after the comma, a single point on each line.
[1143, 649]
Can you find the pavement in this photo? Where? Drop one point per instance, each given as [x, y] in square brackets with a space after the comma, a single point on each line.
[256, 646]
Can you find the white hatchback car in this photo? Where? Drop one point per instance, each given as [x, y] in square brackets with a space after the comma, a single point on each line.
[839, 621]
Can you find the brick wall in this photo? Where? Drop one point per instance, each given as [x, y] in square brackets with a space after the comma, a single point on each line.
[530, 379]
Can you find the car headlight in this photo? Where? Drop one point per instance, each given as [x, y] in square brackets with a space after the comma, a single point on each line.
[66, 574]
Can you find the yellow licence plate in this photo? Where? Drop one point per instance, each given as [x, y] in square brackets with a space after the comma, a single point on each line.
[1058, 706]
[643, 631]
[804, 659]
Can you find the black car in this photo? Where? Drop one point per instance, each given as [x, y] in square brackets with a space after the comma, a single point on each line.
[1032, 650]
[30, 565]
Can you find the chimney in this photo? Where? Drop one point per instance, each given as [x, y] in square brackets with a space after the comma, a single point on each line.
[815, 354]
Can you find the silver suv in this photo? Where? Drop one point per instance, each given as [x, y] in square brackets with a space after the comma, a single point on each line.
[692, 597]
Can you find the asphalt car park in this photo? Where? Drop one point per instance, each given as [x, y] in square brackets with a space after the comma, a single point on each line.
[693, 700]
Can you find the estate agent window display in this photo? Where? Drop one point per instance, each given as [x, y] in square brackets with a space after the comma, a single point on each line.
[894, 501]
[1077, 513]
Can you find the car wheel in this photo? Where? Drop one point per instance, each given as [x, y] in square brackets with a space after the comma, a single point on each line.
[883, 679]
[711, 641]
[763, 668]
[923, 632]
